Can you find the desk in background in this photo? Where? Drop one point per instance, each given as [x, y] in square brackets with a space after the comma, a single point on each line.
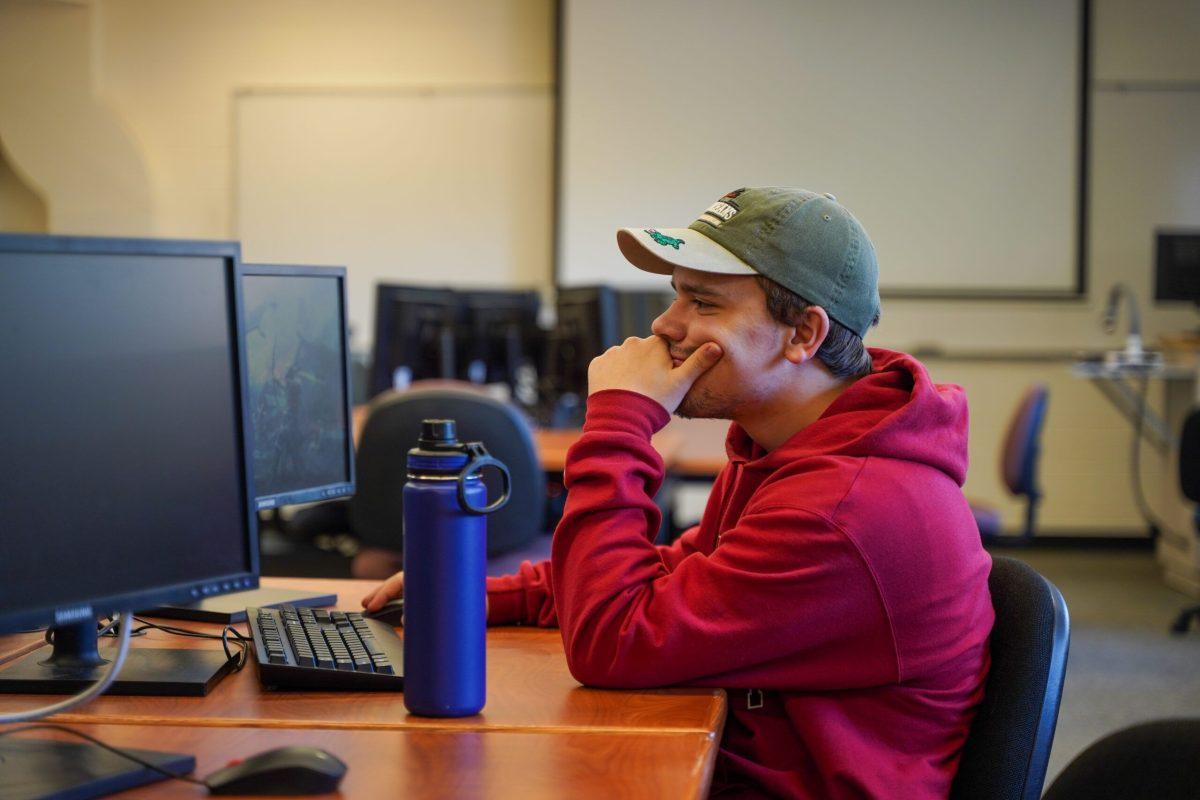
[539, 733]
[1177, 547]
[690, 448]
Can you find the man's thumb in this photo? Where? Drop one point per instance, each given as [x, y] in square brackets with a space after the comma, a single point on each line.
[703, 358]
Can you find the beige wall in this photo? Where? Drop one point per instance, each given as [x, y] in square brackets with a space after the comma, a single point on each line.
[121, 110]
[21, 209]
[172, 69]
[61, 133]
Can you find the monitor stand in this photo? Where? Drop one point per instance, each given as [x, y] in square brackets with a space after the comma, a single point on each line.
[227, 609]
[75, 663]
[50, 770]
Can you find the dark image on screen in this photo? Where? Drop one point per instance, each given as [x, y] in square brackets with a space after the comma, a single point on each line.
[296, 372]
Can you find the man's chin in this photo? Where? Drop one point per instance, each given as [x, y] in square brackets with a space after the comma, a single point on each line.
[702, 407]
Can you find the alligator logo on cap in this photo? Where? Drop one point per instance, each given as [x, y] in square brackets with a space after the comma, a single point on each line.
[663, 239]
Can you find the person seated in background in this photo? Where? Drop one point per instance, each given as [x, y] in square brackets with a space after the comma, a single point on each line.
[835, 586]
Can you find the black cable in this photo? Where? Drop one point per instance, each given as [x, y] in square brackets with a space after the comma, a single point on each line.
[240, 640]
[114, 750]
[1135, 460]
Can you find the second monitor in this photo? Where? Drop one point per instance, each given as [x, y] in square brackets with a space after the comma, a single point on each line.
[297, 360]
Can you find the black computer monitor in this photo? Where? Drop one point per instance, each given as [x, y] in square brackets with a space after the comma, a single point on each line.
[124, 477]
[1177, 266]
[499, 336]
[298, 372]
[415, 329]
[588, 323]
[637, 310]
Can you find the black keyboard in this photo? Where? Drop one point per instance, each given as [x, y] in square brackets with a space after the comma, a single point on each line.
[314, 648]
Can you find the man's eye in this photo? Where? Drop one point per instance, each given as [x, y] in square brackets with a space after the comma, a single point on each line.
[701, 305]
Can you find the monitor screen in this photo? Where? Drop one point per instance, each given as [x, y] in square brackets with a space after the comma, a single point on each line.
[123, 475]
[1177, 266]
[638, 310]
[588, 324]
[499, 335]
[415, 335]
[297, 360]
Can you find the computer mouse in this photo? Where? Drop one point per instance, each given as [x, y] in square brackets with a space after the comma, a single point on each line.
[282, 771]
[392, 613]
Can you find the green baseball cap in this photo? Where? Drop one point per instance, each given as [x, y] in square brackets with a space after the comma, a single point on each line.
[804, 241]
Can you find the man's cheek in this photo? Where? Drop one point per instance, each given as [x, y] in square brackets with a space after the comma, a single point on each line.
[721, 373]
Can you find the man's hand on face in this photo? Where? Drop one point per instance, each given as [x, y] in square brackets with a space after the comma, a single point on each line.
[645, 366]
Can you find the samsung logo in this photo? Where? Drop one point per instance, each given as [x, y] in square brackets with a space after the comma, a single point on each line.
[67, 616]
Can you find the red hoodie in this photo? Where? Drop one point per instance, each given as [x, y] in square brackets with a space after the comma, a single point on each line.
[836, 587]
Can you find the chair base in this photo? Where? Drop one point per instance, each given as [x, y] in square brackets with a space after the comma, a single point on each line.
[1183, 622]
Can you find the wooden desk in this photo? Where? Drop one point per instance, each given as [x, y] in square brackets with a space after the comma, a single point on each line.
[436, 764]
[552, 446]
[529, 689]
[690, 448]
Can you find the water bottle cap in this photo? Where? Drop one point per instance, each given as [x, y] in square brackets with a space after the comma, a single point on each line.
[438, 434]
[438, 450]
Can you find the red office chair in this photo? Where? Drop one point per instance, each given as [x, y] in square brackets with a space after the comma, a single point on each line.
[1018, 464]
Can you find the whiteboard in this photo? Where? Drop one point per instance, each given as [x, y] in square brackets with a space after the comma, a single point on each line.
[950, 128]
[428, 187]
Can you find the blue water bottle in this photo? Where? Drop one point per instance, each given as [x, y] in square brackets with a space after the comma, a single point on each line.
[445, 563]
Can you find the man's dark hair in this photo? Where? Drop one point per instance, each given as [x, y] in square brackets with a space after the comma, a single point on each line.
[843, 351]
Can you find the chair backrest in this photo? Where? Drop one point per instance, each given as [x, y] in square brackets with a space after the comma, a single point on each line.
[392, 428]
[1189, 457]
[1018, 461]
[1005, 754]
[1157, 760]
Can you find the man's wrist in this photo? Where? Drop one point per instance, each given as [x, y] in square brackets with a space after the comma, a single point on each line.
[623, 410]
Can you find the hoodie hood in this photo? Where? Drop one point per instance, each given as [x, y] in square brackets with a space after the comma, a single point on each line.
[897, 412]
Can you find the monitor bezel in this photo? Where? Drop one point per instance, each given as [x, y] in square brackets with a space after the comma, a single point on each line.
[181, 592]
[341, 488]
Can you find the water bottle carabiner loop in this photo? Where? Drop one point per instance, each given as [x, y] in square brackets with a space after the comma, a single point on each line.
[479, 460]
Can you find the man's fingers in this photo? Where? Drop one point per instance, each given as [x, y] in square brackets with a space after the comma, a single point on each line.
[700, 361]
[390, 589]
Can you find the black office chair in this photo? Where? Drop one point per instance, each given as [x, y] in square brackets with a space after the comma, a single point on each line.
[1157, 760]
[376, 511]
[1189, 484]
[1005, 754]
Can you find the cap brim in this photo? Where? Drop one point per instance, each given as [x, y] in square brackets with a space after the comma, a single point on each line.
[677, 247]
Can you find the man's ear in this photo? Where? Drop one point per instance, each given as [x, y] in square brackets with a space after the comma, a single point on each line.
[807, 336]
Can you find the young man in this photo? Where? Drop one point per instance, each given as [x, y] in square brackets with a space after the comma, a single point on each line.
[835, 586]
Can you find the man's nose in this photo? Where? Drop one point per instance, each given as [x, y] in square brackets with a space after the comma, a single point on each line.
[667, 326]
